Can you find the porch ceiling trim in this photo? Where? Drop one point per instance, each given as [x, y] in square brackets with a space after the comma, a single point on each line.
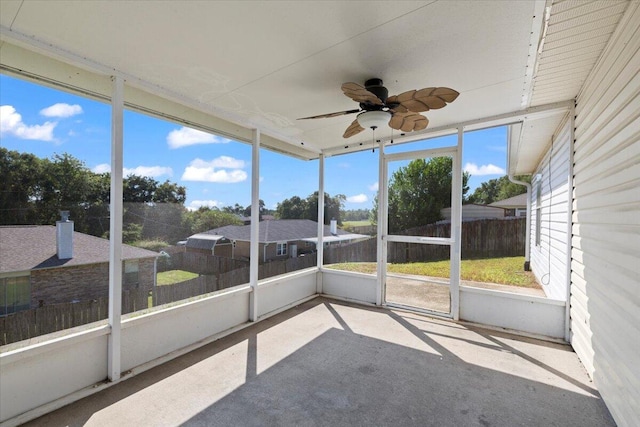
[31, 59]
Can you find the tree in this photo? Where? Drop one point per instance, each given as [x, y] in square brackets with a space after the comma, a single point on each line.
[19, 173]
[498, 189]
[297, 208]
[206, 218]
[247, 211]
[356, 214]
[65, 185]
[293, 208]
[235, 209]
[332, 207]
[170, 192]
[35, 191]
[418, 191]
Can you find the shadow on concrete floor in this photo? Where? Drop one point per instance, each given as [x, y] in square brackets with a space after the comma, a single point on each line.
[330, 363]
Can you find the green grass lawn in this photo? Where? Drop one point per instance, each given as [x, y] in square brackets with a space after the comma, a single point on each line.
[356, 223]
[174, 276]
[507, 271]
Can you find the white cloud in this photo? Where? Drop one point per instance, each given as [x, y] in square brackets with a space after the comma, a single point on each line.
[185, 136]
[152, 171]
[225, 162]
[61, 110]
[196, 204]
[358, 198]
[101, 168]
[489, 169]
[374, 186]
[216, 170]
[11, 123]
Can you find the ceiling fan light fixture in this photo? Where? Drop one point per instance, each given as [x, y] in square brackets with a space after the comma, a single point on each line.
[374, 119]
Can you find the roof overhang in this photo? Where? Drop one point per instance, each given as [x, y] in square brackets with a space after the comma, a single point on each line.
[281, 60]
[229, 68]
[529, 138]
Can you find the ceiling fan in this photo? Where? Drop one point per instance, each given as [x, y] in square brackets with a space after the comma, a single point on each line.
[400, 112]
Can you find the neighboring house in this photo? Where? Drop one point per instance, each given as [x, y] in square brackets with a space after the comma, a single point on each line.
[43, 264]
[473, 211]
[247, 219]
[278, 239]
[514, 206]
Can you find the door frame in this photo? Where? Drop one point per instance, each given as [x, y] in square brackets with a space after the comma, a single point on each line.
[454, 241]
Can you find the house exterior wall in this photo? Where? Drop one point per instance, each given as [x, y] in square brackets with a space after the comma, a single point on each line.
[198, 251]
[475, 212]
[605, 256]
[243, 250]
[548, 253]
[83, 282]
[225, 250]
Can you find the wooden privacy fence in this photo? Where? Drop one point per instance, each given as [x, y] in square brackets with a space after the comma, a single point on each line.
[200, 263]
[187, 289]
[276, 268]
[485, 238]
[56, 317]
[363, 251]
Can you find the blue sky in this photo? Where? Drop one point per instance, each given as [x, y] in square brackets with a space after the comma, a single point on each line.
[215, 171]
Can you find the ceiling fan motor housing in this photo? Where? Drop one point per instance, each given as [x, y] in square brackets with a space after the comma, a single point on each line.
[375, 86]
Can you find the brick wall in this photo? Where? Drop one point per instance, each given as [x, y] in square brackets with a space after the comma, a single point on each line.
[81, 283]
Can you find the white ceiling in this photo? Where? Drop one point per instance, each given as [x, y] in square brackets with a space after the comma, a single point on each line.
[227, 67]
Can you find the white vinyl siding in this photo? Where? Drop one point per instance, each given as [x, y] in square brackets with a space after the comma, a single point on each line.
[550, 204]
[605, 278]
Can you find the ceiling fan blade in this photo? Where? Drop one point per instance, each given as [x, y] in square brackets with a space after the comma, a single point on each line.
[429, 98]
[360, 94]
[325, 116]
[408, 122]
[353, 129]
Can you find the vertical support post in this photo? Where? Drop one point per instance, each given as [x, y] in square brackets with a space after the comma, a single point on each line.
[320, 244]
[115, 229]
[254, 262]
[154, 293]
[382, 227]
[456, 228]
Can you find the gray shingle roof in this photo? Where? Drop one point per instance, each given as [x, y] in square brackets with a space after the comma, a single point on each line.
[28, 247]
[279, 230]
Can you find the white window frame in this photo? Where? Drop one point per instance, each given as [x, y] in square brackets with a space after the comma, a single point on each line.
[131, 266]
[4, 286]
[281, 248]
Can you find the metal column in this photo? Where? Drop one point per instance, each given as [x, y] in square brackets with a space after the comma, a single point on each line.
[115, 229]
[456, 228]
[320, 244]
[382, 227]
[255, 226]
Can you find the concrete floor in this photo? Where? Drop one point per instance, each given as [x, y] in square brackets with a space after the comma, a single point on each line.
[432, 293]
[330, 363]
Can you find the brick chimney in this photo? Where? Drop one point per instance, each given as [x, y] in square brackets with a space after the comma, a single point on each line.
[64, 236]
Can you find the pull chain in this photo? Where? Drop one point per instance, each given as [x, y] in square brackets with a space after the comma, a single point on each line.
[373, 128]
